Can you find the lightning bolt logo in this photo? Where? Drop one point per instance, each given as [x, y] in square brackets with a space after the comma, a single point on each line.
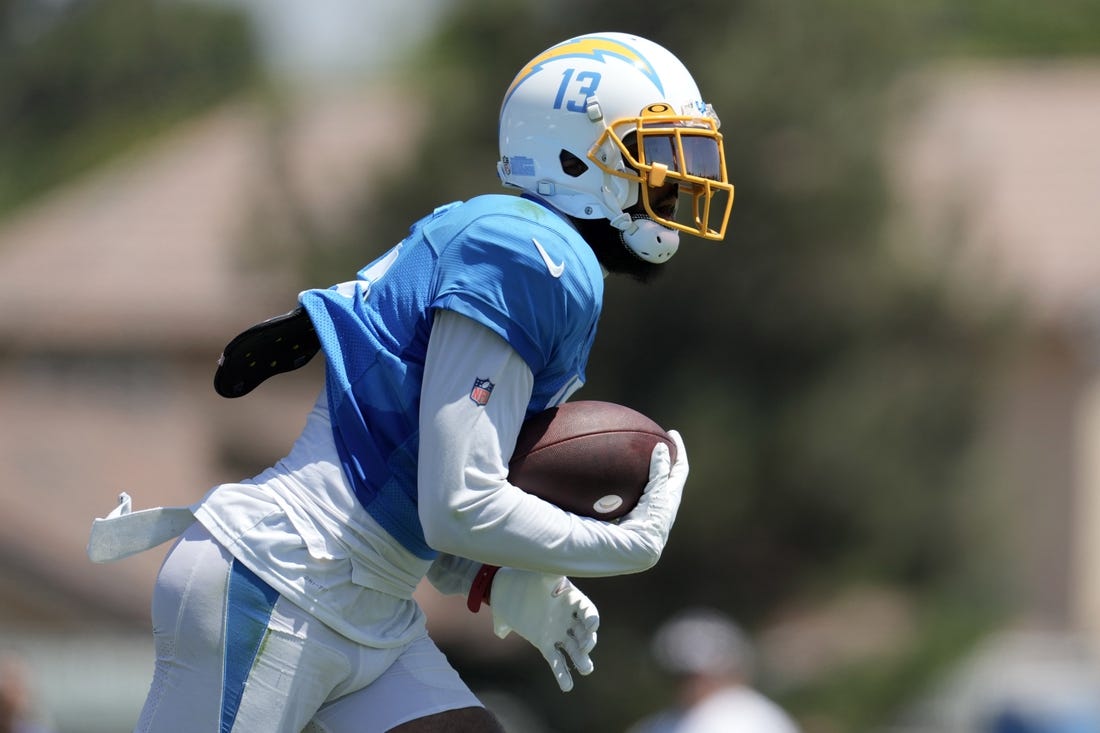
[595, 48]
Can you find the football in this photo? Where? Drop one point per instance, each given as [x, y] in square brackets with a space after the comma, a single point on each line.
[587, 457]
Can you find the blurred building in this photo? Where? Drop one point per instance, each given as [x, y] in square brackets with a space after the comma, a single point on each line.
[999, 170]
[1001, 173]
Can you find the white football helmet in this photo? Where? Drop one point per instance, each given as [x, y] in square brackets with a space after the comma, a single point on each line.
[600, 122]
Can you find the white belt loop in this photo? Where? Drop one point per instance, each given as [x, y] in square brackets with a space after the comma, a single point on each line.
[123, 532]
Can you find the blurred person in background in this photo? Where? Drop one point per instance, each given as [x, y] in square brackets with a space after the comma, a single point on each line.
[16, 713]
[288, 605]
[711, 661]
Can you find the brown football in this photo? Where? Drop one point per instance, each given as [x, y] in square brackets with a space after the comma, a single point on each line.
[587, 457]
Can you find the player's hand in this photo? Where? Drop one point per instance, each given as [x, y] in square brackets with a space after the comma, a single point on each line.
[551, 613]
[655, 512]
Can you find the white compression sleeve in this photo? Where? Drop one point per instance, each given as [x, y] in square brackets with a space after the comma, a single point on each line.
[466, 505]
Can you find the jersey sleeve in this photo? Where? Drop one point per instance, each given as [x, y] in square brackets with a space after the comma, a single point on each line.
[493, 273]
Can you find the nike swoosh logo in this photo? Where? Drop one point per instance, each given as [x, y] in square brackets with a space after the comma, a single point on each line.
[556, 269]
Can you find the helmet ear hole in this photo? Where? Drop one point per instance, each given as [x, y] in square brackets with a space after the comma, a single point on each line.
[571, 165]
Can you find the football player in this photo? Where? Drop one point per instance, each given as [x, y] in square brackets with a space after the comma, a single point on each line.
[288, 604]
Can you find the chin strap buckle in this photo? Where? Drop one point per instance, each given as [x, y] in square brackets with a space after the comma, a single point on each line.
[625, 223]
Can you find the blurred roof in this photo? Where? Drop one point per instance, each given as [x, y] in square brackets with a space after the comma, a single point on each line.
[1003, 159]
[152, 249]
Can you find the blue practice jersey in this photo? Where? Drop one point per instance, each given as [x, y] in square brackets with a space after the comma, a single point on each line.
[506, 262]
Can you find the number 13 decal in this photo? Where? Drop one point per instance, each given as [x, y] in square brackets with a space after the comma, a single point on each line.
[579, 86]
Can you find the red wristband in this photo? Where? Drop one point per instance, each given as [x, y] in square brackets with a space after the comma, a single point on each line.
[481, 587]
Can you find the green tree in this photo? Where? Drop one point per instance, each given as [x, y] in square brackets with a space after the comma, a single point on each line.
[81, 81]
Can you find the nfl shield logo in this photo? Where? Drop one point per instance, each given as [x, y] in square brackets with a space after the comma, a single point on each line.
[481, 391]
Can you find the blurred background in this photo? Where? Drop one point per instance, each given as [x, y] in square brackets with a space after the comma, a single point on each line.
[887, 376]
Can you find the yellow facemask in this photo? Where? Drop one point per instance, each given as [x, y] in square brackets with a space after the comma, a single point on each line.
[672, 149]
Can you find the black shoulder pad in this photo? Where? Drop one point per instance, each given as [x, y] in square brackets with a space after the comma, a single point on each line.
[280, 344]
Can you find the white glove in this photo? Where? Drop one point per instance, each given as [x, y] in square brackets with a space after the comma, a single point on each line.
[655, 512]
[552, 614]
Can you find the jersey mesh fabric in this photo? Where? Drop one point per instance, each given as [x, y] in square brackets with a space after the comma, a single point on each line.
[478, 258]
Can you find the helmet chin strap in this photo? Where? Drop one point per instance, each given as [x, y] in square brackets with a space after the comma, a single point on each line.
[645, 238]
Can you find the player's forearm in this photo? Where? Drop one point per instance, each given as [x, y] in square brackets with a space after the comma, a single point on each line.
[503, 525]
[467, 507]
